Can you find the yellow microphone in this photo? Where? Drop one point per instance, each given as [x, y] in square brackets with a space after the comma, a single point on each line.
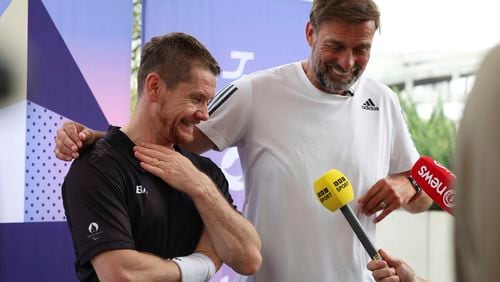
[334, 191]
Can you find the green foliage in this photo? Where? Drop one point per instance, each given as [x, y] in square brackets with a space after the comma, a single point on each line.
[136, 51]
[435, 137]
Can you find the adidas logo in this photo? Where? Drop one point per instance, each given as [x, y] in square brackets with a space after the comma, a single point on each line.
[369, 105]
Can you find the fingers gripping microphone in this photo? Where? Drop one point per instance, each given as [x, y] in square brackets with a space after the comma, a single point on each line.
[436, 181]
[334, 191]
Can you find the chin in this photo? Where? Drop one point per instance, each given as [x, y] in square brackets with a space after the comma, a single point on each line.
[183, 138]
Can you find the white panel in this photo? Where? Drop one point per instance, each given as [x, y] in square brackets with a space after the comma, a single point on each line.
[441, 267]
[405, 236]
[13, 50]
[12, 161]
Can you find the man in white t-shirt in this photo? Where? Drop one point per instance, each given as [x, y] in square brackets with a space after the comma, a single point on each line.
[294, 122]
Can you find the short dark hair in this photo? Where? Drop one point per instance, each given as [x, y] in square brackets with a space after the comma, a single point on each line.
[173, 56]
[349, 11]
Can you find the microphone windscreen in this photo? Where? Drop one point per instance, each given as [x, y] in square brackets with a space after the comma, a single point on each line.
[436, 180]
[333, 190]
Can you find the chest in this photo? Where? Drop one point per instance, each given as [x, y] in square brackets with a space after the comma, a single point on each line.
[296, 121]
[162, 218]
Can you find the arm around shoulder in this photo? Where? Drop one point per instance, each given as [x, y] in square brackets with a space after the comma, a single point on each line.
[200, 144]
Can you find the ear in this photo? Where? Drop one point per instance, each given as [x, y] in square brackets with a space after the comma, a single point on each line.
[153, 84]
[309, 34]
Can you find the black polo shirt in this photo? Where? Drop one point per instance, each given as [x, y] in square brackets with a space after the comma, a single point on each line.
[112, 203]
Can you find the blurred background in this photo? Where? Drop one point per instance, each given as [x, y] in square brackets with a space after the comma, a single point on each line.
[78, 59]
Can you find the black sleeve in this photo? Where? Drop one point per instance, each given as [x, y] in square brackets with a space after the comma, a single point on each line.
[220, 181]
[207, 166]
[96, 211]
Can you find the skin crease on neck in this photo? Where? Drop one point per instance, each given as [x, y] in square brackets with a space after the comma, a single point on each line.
[167, 116]
[339, 54]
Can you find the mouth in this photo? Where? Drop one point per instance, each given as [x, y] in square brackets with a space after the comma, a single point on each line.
[189, 122]
[340, 73]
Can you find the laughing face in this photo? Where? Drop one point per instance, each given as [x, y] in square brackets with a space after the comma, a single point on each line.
[184, 106]
[340, 53]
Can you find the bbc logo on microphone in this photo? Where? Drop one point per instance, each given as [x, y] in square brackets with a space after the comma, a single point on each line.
[324, 194]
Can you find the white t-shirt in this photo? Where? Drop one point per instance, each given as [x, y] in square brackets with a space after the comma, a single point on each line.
[289, 133]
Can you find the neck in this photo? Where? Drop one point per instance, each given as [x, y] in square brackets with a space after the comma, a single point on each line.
[306, 66]
[142, 128]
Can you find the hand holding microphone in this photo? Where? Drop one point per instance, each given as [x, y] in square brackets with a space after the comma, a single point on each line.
[334, 191]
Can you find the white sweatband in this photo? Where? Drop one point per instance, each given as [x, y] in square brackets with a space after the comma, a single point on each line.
[196, 267]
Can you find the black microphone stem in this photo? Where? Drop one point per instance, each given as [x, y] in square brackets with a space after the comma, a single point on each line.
[356, 226]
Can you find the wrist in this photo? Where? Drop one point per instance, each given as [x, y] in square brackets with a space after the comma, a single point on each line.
[201, 188]
[211, 254]
[416, 187]
[195, 267]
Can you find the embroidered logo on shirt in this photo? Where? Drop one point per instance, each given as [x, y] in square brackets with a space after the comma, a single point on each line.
[369, 105]
[93, 227]
[139, 189]
[94, 231]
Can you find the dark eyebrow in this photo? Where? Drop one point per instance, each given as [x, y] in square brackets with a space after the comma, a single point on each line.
[332, 42]
[364, 45]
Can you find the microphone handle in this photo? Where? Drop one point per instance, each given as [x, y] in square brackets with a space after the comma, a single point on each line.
[356, 226]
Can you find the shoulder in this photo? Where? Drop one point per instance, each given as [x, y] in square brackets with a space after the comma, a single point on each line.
[208, 167]
[202, 163]
[100, 159]
[271, 74]
[368, 87]
[97, 154]
[375, 87]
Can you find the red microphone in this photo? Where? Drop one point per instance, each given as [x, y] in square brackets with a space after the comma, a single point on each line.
[436, 180]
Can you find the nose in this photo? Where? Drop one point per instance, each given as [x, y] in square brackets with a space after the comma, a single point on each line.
[346, 60]
[202, 113]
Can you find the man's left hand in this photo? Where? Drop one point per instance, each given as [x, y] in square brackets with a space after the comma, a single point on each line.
[387, 195]
[169, 165]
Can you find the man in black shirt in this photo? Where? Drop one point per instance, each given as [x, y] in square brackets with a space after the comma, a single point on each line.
[132, 208]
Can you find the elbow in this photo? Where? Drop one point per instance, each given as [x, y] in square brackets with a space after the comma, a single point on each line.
[253, 265]
[250, 262]
[117, 275]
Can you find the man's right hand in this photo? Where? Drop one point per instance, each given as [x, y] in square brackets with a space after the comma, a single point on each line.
[390, 269]
[71, 138]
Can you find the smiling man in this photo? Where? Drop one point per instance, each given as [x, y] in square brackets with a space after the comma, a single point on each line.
[294, 122]
[157, 212]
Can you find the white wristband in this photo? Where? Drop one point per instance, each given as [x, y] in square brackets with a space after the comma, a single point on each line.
[196, 267]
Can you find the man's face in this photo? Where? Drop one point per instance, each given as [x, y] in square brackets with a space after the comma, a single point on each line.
[340, 53]
[185, 106]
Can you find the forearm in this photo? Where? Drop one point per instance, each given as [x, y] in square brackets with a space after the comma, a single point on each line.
[130, 265]
[420, 204]
[206, 247]
[417, 205]
[234, 238]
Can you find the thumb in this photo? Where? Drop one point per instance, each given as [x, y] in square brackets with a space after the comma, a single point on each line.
[389, 259]
[86, 135]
